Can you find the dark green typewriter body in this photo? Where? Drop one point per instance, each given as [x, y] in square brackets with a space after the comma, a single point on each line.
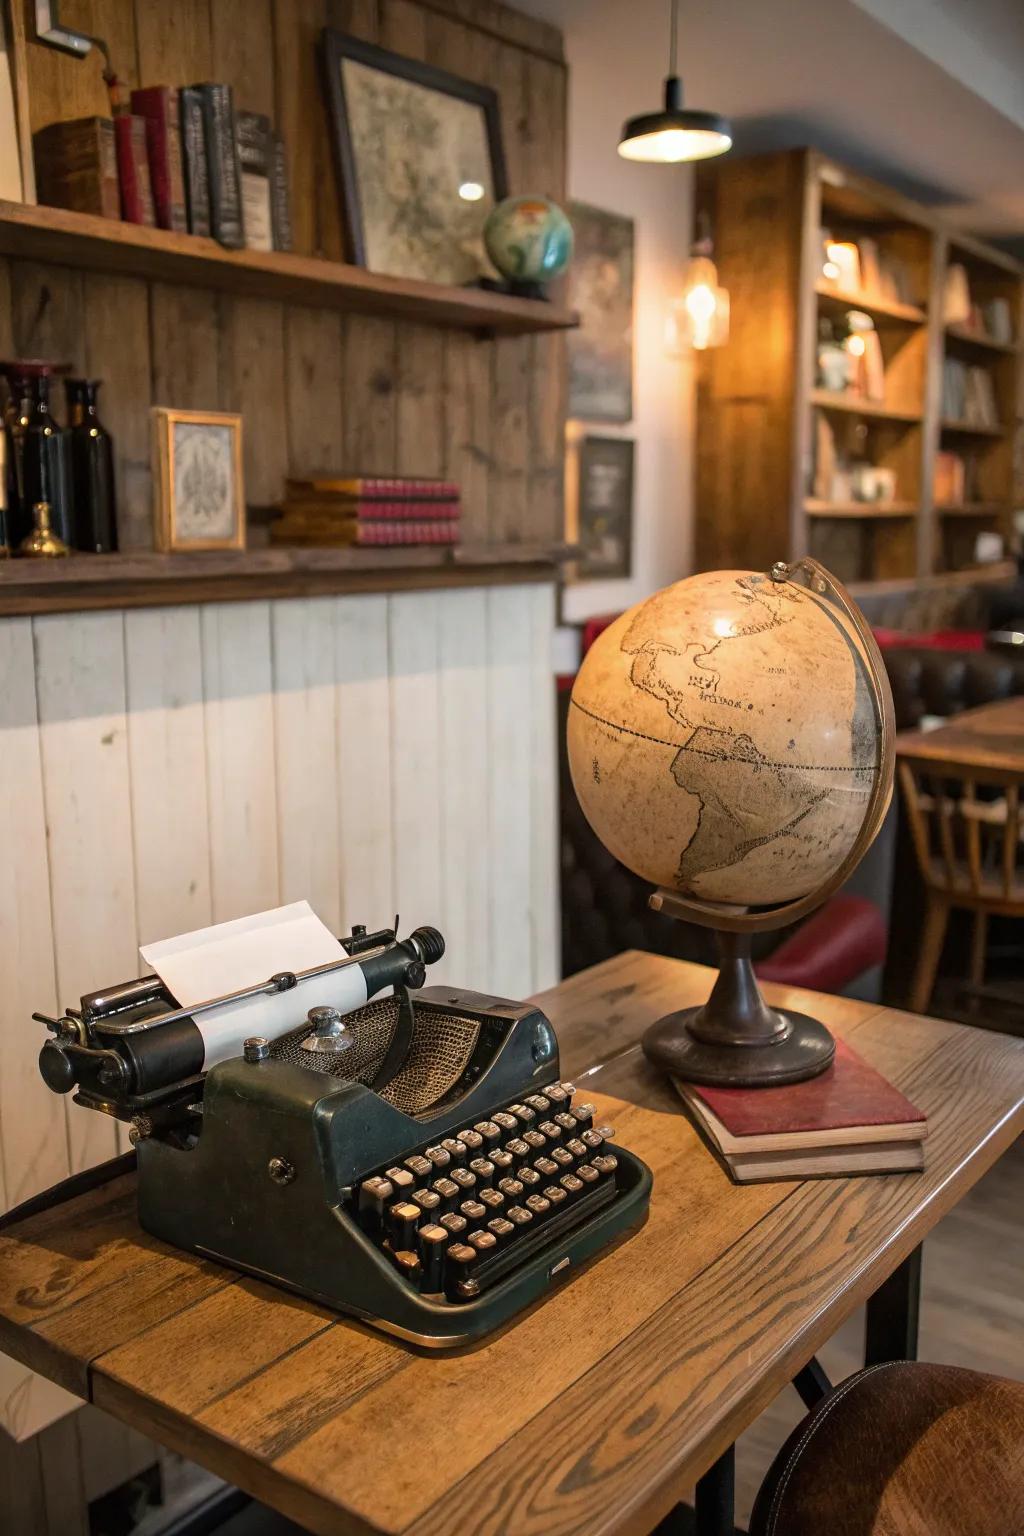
[433, 1178]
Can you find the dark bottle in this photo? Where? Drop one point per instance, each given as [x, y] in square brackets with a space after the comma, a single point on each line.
[46, 465]
[16, 414]
[92, 467]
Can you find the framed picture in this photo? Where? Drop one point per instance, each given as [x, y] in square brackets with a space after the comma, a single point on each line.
[197, 476]
[601, 289]
[603, 508]
[419, 158]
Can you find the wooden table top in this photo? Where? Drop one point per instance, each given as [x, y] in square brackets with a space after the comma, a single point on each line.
[592, 1412]
[991, 736]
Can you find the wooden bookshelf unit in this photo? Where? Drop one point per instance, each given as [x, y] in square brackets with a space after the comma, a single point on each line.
[776, 447]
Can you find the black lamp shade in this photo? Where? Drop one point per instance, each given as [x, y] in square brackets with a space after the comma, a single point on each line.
[676, 133]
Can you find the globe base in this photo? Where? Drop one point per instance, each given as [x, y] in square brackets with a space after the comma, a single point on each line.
[735, 1040]
[805, 1049]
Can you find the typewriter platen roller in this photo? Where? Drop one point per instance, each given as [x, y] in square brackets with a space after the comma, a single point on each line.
[416, 1162]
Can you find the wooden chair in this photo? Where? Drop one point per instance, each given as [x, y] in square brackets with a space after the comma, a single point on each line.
[967, 830]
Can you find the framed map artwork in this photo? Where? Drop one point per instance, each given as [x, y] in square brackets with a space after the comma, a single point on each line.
[601, 516]
[419, 159]
[601, 289]
[197, 475]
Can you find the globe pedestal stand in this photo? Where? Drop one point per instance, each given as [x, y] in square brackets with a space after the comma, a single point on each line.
[735, 1040]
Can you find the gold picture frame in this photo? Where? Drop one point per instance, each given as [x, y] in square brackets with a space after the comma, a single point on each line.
[199, 491]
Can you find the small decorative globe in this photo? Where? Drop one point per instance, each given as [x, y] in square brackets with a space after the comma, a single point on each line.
[725, 738]
[529, 239]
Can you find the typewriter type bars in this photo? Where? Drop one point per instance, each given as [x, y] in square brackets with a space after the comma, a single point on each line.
[457, 1217]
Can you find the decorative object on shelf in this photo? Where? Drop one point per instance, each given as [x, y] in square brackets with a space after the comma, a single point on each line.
[601, 513]
[223, 173]
[197, 477]
[529, 240]
[5, 545]
[676, 132]
[39, 452]
[193, 152]
[601, 290]
[731, 740]
[160, 110]
[419, 159]
[92, 470]
[863, 267]
[365, 511]
[42, 543]
[956, 295]
[12, 187]
[872, 483]
[699, 316]
[835, 364]
[76, 166]
[252, 132]
[280, 204]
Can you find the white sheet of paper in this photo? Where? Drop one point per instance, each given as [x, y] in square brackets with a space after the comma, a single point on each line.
[244, 953]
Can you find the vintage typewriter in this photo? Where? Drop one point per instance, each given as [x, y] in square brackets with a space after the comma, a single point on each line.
[416, 1161]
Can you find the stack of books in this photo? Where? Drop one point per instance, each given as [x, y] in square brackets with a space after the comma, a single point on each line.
[849, 1120]
[968, 395]
[368, 510]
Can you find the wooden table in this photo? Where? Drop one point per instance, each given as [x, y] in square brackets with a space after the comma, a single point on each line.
[591, 1413]
[989, 737]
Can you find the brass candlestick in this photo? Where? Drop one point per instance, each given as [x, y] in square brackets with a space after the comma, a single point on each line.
[42, 542]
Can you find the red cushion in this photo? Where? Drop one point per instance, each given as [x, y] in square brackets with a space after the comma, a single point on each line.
[935, 640]
[839, 943]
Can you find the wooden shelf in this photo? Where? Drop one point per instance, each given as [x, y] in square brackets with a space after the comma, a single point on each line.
[857, 406]
[971, 338]
[150, 580]
[107, 245]
[815, 508]
[970, 508]
[871, 304]
[970, 429]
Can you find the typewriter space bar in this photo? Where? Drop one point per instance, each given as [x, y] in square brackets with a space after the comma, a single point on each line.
[565, 1223]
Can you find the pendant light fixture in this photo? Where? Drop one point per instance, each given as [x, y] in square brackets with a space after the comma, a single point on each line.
[676, 133]
[699, 317]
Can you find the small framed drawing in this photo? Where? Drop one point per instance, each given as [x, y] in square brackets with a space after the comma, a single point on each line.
[603, 508]
[419, 159]
[197, 476]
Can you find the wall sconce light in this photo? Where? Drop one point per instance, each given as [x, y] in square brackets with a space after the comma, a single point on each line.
[699, 316]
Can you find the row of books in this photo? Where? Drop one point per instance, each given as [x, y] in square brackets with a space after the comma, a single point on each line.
[368, 511]
[991, 318]
[968, 394]
[863, 266]
[181, 159]
[955, 479]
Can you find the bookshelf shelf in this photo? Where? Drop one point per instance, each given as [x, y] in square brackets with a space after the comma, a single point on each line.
[971, 429]
[971, 509]
[816, 508]
[878, 308]
[108, 245]
[858, 406]
[964, 334]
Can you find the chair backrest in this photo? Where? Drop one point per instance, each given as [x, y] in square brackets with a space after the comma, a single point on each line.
[967, 832]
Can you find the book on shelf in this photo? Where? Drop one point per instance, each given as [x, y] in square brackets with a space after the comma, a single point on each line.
[968, 394]
[159, 107]
[848, 1120]
[223, 173]
[997, 320]
[193, 152]
[76, 166]
[252, 134]
[370, 507]
[956, 295]
[865, 267]
[823, 485]
[280, 206]
[871, 373]
[133, 169]
[949, 482]
[384, 487]
[364, 532]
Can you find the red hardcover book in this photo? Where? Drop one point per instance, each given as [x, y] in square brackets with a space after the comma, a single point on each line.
[849, 1119]
[376, 488]
[133, 169]
[158, 105]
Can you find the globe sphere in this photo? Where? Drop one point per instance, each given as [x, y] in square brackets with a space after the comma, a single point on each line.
[529, 239]
[724, 738]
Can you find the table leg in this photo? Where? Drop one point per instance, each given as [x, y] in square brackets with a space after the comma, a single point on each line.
[892, 1314]
[716, 1497]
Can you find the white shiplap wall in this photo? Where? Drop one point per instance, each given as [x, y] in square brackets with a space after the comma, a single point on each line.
[168, 768]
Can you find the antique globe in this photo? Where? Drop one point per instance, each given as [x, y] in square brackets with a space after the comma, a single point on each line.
[529, 239]
[730, 741]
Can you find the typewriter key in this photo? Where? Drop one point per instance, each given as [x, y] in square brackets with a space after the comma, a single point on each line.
[538, 1205]
[502, 1228]
[472, 1140]
[408, 1264]
[549, 1129]
[403, 1218]
[523, 1113]
[492, 1198]
[577, 1148]
[453, 1223]
[456, 1149]
[503, 1161]
[545, 1167]
[571, 1184]
[483, 1168]
[606, 1131]
[428, 1202]
[459, 1264]
[538, 1102]
[473, 1210]
[375, 1195]
[567, 1122]
[592, 1140]
[555, 1195]
[401, 1178]
[562, 1156]
[519, 1216]
[606, 1165]
[484, 1242]
[490, 1132]
[439, 1157]
[535, 1140]
[529, 1176]
[518, 1150]
[433, 1246]
[584, 1114]
[464, 1179]
[447, 1192]
[506, 1121]
[419, 1167]
[588, 1174]
[556, 1093]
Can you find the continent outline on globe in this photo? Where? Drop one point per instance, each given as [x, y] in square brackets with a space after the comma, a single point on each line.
[717, 671]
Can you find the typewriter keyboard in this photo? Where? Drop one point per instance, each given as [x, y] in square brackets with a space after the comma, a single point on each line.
[456, 1217]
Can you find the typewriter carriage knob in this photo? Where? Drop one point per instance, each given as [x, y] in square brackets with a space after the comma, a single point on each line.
[329, 1034]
